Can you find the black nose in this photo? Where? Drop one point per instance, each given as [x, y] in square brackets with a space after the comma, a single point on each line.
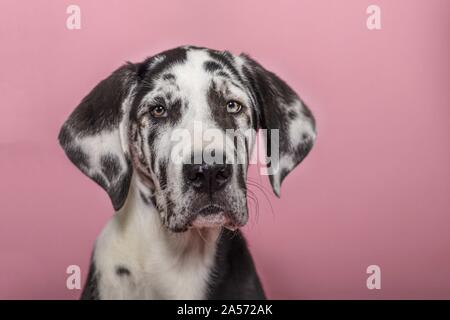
[207, 177]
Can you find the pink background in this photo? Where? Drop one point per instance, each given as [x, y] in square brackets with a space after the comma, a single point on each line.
[374, 190]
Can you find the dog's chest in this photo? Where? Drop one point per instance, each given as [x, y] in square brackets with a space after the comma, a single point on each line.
[128, 268]
[173, 282]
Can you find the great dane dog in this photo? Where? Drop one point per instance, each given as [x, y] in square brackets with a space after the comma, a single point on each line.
[175, 233]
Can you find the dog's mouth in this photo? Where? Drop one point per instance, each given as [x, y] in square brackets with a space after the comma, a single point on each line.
[213, 216]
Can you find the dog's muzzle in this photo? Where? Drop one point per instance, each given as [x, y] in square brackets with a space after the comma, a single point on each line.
[207, 180]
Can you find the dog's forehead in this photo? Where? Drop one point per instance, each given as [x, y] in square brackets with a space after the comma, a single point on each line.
[192, 73]
[193, 79]
[191, 69]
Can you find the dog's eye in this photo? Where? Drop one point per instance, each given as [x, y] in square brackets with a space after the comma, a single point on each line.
[233, 106]
[158, 111]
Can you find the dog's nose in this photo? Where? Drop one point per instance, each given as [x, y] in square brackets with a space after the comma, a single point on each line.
[207, 177]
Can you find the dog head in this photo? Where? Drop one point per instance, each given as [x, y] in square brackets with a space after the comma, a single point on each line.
[184, 122]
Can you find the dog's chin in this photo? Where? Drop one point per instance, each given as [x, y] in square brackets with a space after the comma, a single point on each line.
[208, 217]
[211, 217]
[216, 220]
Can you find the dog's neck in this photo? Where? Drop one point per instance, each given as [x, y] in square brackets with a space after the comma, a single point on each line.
[136, 239]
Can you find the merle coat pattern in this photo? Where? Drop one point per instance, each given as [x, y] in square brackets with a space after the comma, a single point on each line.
[175, 234]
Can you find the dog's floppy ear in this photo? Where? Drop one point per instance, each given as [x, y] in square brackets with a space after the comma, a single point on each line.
[279, 107]
[94, 137]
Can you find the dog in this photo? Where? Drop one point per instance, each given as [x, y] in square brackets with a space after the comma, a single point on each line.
[175, 233]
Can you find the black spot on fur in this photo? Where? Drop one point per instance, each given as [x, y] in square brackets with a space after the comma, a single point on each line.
[163, 175]
[168, 76]
[153, 200]
[118, 188]
[151, 138]
[292, 114]
[144, 198]
[73, 152]
[122, 271]
[78, 156]
[110, 165]
[212, 66]
[147, 199]
[223, 74]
